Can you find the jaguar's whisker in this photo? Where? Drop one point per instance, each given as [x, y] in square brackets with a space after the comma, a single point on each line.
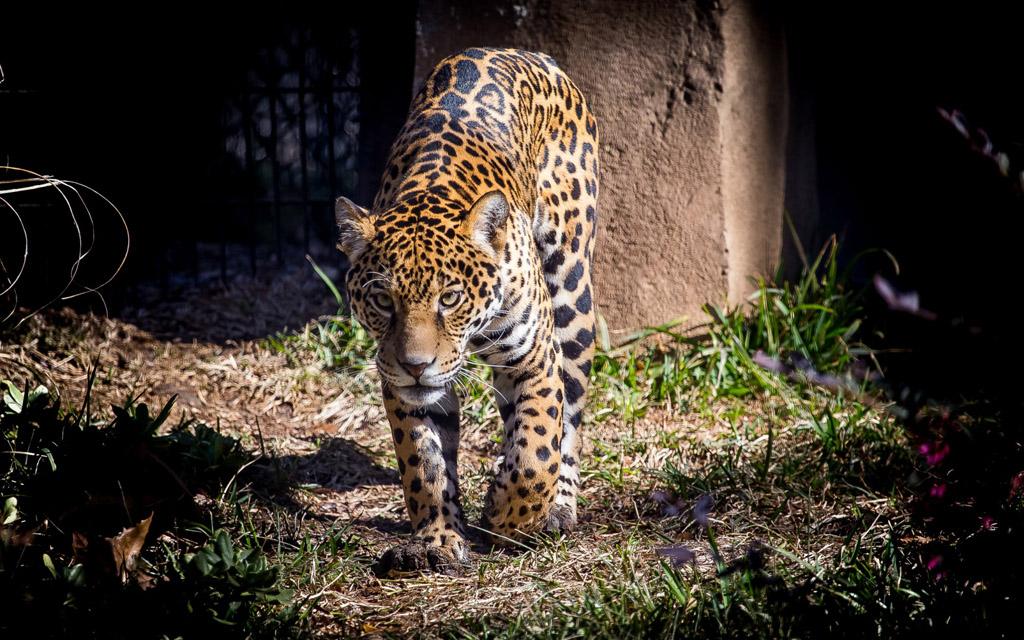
[485, 383]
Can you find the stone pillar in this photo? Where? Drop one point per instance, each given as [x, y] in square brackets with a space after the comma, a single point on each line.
[753, 118]
[692, 166]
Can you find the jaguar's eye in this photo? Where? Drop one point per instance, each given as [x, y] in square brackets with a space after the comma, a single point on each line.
[451, 298]
[384, 301]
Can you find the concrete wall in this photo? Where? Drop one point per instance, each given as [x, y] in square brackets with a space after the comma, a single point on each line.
[690, 100]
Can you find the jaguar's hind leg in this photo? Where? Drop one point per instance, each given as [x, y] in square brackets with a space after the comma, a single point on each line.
[564, 232]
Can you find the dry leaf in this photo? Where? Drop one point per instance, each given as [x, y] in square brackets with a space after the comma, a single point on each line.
[126, 547]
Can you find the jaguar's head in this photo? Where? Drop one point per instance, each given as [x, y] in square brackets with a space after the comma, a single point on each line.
[425, 277]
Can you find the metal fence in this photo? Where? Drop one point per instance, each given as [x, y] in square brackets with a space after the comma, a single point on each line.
[230, 169]
[290, 142]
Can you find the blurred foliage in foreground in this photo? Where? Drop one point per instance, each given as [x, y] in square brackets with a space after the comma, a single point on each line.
[102, 532]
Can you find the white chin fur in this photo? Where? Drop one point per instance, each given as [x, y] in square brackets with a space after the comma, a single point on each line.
[419, 396]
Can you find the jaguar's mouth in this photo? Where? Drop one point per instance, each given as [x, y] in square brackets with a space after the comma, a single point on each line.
[420, 394]
[422, 388]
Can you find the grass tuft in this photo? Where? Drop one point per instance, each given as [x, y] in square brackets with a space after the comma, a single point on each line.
[814, 321]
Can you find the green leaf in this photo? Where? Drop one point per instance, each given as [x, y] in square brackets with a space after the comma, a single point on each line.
[36, 394]
[327, 282]
[76, 575]
[10, 513]
[201, 564]
[48, 563]
[162, 416]
[49, 456]
[13, 396]
[225, 549]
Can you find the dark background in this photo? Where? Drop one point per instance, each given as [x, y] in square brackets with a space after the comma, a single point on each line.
[170, 116]
[223, 140]
[889, 172]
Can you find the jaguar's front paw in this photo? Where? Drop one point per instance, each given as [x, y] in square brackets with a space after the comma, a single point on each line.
[561, 519]
[419, 557]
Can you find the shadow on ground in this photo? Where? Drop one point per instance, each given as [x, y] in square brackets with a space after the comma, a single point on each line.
[328, 475]
[243, 307]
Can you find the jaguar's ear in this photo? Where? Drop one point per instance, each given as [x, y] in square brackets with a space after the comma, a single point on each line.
[486, 221]
[354, 226]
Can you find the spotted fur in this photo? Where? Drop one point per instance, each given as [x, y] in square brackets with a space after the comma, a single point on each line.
[480, 242]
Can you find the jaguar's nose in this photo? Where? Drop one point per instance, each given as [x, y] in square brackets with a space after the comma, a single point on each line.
[416, 367]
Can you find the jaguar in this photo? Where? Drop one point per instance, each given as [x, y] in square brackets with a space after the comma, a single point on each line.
[479, 242]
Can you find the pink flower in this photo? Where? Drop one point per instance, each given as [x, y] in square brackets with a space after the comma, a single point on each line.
[935, 566]
[938, 491]
[907, 302]
[934, 452]
[989, 523]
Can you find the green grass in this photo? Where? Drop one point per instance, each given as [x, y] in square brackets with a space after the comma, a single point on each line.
[865, 583]
[858, 598]
[337, 343]
[816, 319]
